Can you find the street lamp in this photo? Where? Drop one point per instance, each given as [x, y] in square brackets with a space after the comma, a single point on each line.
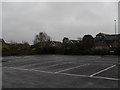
[115, 26]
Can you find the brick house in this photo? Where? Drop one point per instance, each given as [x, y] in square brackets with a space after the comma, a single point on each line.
[106, 41]
[55, 43]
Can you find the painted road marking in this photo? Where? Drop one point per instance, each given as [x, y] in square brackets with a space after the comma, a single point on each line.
[75, 75]
[55, 65]
[102, 70]
[71, 68]
[115, 79]
[29, 69]
[37, 64]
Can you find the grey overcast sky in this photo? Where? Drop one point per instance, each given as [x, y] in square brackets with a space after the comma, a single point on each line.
[22, 20]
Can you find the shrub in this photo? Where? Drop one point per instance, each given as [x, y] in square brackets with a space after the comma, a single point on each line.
[5, 48]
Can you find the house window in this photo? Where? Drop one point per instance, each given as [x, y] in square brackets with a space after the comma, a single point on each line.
[110, 46]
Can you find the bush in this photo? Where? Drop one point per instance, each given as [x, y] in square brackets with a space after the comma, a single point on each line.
[99, 51]
[45, 50]
[5, 48]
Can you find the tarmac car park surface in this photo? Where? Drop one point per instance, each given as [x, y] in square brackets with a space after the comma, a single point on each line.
[60, 71]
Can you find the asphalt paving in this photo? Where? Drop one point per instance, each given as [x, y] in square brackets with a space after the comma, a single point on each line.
[60, 71]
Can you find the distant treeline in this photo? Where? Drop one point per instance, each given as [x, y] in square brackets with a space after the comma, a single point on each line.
[44, 45]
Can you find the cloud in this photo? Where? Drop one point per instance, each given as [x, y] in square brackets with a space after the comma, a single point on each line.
[21, 21]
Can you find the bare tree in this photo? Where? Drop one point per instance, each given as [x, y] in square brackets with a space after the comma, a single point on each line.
[65, 40]
[41, 38]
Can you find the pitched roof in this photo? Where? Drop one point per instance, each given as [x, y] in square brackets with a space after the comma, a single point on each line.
[75, 41]
[112, 37]
[102, 34]
[1, 40]
[107, 36]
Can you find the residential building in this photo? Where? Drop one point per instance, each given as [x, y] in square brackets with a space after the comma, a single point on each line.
[106, 41]
[55, 43]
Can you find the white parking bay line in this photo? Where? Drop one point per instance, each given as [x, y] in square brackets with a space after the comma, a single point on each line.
[37, 64]
[102, 70]
[75, 75]
[29, 70]
[54, 65]
[71, 68]
[114, 79]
